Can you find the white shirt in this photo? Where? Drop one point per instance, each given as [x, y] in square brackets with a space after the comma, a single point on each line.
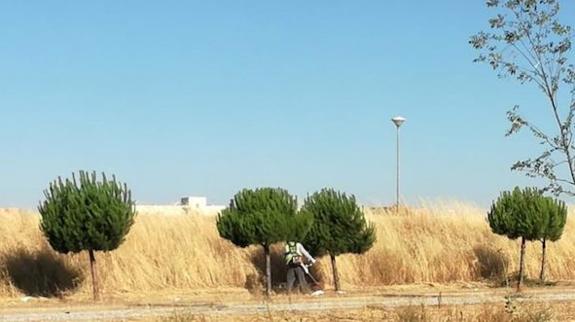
[302, 251]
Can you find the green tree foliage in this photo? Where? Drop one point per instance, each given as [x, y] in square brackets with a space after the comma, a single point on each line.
[339, 227]
[555, 214]
[528, 215]
[515, 214]
[263, 217]
[86, 214]
[528, 42]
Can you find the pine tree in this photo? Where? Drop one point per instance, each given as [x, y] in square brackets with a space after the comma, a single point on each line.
[555, 214]
[263, 217]
[86, 214]
[519, 214]
[339, 227]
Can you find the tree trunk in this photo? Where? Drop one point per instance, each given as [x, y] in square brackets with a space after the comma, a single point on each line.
[543, 257]
[268, 271]
[94, 270]
[335, 273]
[521, 264]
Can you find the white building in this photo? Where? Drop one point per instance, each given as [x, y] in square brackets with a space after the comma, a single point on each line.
[187, 205]
[200, 204]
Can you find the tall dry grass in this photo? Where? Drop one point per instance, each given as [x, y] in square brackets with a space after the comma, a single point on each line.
[439, 243]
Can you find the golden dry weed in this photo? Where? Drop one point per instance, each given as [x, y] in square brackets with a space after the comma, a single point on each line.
[439, 243]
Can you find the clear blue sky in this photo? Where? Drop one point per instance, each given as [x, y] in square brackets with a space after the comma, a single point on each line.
[207, 97]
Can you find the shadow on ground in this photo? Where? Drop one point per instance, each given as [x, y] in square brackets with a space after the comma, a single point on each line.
[41, 273]
[492, 264]
[255, 283]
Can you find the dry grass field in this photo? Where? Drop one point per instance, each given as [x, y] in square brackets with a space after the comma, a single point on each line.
[473, 313]
[439, 243]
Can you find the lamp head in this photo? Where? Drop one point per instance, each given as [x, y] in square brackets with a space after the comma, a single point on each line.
[398, 120]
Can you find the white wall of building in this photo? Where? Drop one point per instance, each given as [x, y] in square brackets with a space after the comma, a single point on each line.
[187, 205]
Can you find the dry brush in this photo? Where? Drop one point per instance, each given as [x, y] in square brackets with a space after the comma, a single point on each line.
[440, 243]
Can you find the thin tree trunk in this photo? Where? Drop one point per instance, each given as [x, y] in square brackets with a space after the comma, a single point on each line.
[521, 264]
[94, 270]
[268, 271]
[543, 258]
[335, 273]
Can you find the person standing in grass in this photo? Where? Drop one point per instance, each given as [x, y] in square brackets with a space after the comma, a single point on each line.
[294, 253]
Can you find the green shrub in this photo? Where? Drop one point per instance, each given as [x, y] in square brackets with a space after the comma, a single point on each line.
[86, 214]
[262, 217]
[339, 227]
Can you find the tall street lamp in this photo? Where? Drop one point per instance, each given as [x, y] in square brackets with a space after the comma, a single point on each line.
[398, 121]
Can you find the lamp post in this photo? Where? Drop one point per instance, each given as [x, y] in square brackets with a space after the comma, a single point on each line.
[398, 121]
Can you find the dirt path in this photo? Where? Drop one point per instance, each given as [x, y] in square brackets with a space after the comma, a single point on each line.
[340, 302]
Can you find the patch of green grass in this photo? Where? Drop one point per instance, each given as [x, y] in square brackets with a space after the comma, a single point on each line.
[183, 316]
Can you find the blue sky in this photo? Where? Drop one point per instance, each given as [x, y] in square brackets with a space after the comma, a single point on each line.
[207, 97]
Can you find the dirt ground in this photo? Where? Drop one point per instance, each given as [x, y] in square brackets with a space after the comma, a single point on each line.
[493, 312]
[400, 303]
